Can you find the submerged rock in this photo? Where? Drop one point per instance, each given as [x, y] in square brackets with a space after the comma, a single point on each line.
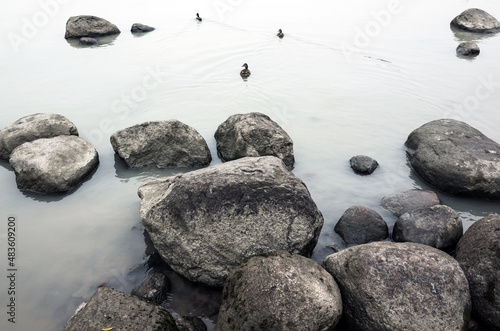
[359, 225]
[407, 201]
[362, 164]
[108, 308]
[478, 253]
[438, 226]
[455, 158]
[154, 287]
[253, 134]
[389, 286]
[476, 20]
[279, 291]
[205, 222]
[162, 144]
[89, 26]
[88, 41]
[33, 127]
[468, 48]
[190, 323]
[141, 28]
[53, 165]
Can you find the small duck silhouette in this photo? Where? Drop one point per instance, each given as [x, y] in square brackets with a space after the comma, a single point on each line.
[198, 17]
[245, 72]
[280, 33]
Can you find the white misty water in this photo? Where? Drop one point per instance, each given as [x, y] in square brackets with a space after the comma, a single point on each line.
[348, 78]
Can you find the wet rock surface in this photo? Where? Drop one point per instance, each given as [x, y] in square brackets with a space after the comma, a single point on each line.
[33, 127]
[362, 164]
[89, 26]
[400, 203]
[400, 286]
[205, 222]
[360, 225]
[53, 165]
[279, 291]
[108, 308]
[455, 158]
[88, 41]
[438, 226]
[154, 287]
[476, 20]
[161, 144]
[141, 28]
[468, 49]
[253, 134]
[478, 253]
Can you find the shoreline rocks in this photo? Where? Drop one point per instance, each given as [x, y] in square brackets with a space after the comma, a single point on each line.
[89, 26]
[477, 21]
[205, 222]
[360, 225]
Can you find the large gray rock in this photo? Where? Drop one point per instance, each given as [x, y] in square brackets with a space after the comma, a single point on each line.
[253, 134]
[279, 291]
[203, 223]
[400, 286]
[162, 144]
[456, 158]
[476, 20]
[53, 165]
[400, 203]
[108, 308]
[89, 26]
[438, 226]
[360, 225]
[33, 127]
[478, 253]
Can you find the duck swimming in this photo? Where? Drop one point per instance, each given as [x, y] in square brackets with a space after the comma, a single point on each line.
[198, 17]
[245, 72]
[280, 33]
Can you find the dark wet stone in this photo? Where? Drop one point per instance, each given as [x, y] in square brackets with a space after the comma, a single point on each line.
[478, 253]
[403, 202]
[279, 291]
[154, 287]
[476, 20]
[89, 26]
[88, 41]
[190, 323]
[363, 164]
[359, 225]
[141, 28]
[468, 49]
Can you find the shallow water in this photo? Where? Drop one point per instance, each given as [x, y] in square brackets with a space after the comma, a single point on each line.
[336, 92]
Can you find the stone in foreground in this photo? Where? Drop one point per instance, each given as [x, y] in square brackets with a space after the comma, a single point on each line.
[363, 165]
[478, 253]
[161, 144]
[400, 203]
[89, 26]
[108, 308]
[468, 48]
[438, 226]
[476, 20]
[389, 286]
[33, 127]
[253, 134]
[205, 222]
[360, 225]
[279, 291]
[456, 158]
[53, 165]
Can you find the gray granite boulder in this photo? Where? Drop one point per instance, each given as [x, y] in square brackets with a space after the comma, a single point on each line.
[154, 287]
[279, 291]
[89, 26]
[400, 203]
[468, 48]
[478, 253]
[205, 222]
[108, 308]
[362, 164]
[141, 28]
[360, 225]
[161, 144]
[53, 165]
[438, 226]
[33, 127]
[253, 134]
[456, 158]
[388, 286]
[476, 20]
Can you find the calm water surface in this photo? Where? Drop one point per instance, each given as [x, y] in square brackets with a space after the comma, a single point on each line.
[350, 77]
